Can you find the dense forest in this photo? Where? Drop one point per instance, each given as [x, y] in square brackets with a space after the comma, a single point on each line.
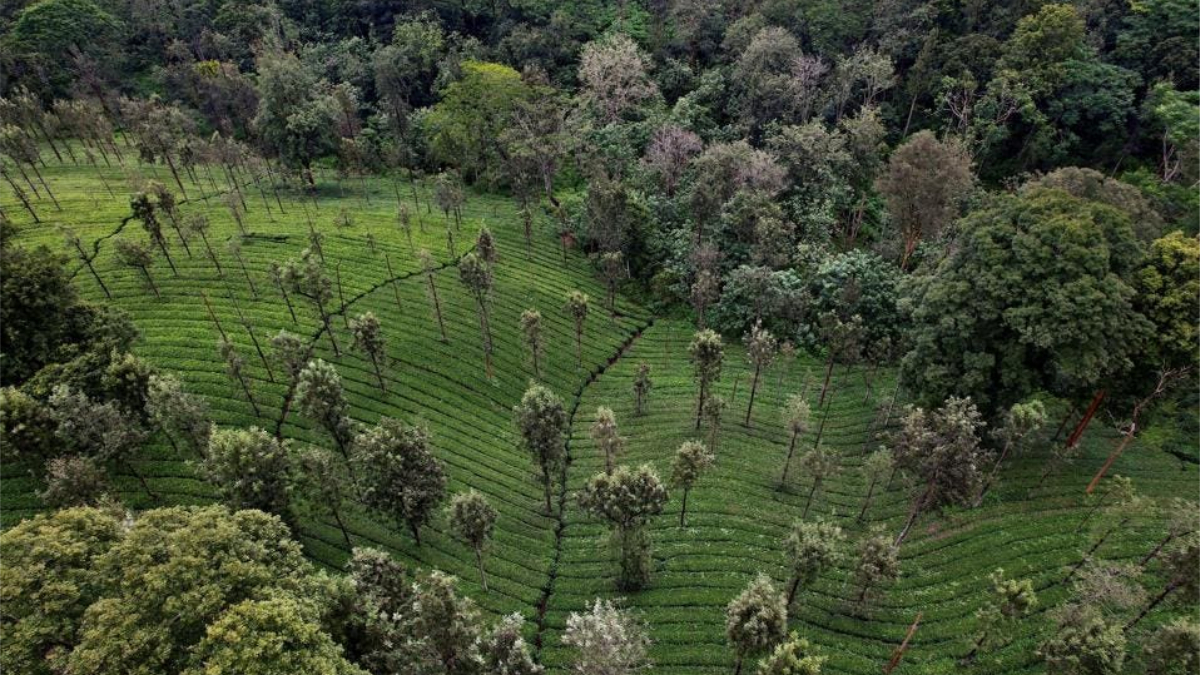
[368, 337]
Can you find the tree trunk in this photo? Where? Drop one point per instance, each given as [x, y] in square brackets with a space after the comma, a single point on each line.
[437, 307]
[171, 164]
[683, 509]
[753, 391]
[1112, 457]
[249, 396]
[262, 357]
[1073, 440]
[867, 501]
[288, 301]
[1063, 425]
[1157, 549]
[150, 280]
[914, 514]
[392, 275]
[792, 590]
[22, 196]
[482, 574]
[88, 261]
[816, 484]
[211, 254]
[146, 486]
[378, 372]
[987, 483]
[1153, 603]
[700, 401]
[337, 517]
[787, 464]
[337, 272]
[416, 531]
[828, 377]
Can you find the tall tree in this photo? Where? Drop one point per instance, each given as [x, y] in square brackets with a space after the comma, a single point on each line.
[431, 285]
[761, 350]
[398, 474]
[878, 563]
[324, 487]
[615, 78]
[941, 448]
[322, 399]
[307, 278]
[641, 388]
[796, 414]
[473, 518]
[1011, 601]
[577, 309]
[607, 436]
[476, 275]
[235, 368]
[531, 330]
[542, 422]
[756, 620]
[707, 353]
[368, 338]
[926, 182]
[251, 469]
[136, 254]
[811, 548]
[819, 463]
[692, 460]
[607, 640]
[627, 499]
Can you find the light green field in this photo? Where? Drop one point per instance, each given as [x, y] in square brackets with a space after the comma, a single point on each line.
[738, 516]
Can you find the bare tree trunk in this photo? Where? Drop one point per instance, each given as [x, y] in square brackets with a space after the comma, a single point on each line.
[337, 271]
[867, 502]
[392, 276]
[683, 509]
[437, 306]
[1153, 603]
[787, 464]
[828, 377]
[482, 574]
[753, 391]
[21, 196]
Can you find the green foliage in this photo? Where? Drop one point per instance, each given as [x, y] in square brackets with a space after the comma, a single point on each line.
[627, 499]
[793, 657]
[1035, 297]
[251, 469]
[542, 423]
[268, 636]
[756, 620]
[463, 127]
[48, 580]
[74, 481]
[398, 474]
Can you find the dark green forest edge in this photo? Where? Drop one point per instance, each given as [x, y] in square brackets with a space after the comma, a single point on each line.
[685, 336]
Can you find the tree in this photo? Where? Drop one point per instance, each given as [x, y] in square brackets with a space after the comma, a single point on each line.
[319, 392]
[100, 431]
[612, 270]
[476, 275]
[473, 518]
[251, 469]
[448, 624]
[74, 481]
[178, 413]
[691, 461]
[427, 266]
[878, 563]
[1002, 290]
[878, 466]
[531, 330]
[1011, 601]
[145, 210]
[761, 350]
[286, 637]
[1086, 644]
[307, 278]
[505, 652]
[706, 352]
[542, 422]
[641, 388]
[172, 578]
[397, 473]
[297, 114]
[137, 255]
[235, 367]
[1022, 420]
[607, 437]
[465, 128]
[811, 548]
[670, 151]
[613, 72]
[714, 408]
[1173, 649]
[323, 486]
[796, 414]
[577, 309]
[607, 641]
[381, 631]
[925, 183]
[1179, 567]
[792, 657]
[50, 579]
[368, 338]
[941, 449]
[756, 620]
[27, 429]
[819, 463]
[449, 195]
[627, 499]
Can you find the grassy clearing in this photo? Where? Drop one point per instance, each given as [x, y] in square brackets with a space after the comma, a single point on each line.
[737, 516]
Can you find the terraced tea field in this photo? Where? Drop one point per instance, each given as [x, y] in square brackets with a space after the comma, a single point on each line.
[547, 566]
